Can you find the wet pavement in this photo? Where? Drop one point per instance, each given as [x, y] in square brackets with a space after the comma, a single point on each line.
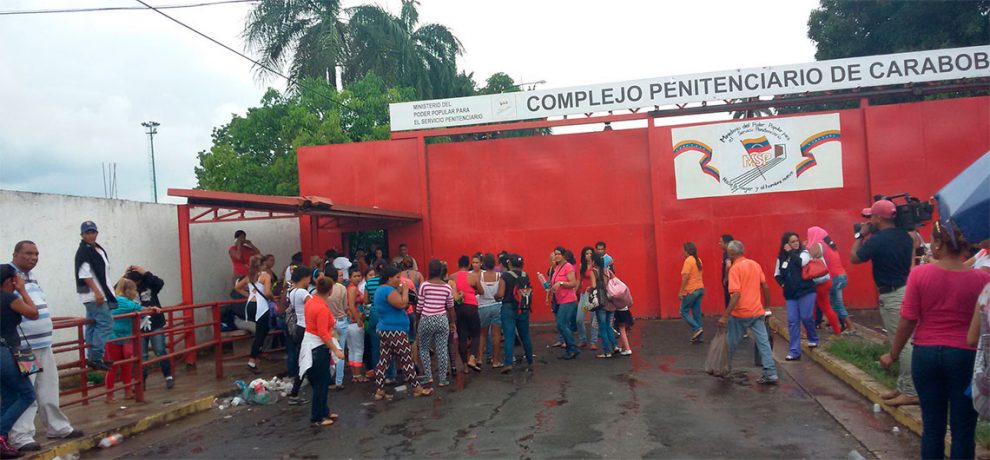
[656, 403]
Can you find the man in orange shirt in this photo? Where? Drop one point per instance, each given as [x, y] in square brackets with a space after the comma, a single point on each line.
[748, 291]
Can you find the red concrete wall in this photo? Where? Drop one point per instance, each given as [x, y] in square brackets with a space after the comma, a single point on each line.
[382, 174]
[528, 195]
[759, 221]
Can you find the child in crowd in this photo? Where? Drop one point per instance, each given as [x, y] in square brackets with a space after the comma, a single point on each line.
[120, 350]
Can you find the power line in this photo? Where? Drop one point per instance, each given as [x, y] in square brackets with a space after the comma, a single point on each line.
[259, 64]
[121, 8]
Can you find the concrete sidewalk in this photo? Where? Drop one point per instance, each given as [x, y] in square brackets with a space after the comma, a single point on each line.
[194, 391]
[869, 327]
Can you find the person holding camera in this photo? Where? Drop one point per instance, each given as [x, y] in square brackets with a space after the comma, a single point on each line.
[890, 249]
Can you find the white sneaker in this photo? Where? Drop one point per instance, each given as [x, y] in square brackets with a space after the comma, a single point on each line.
[625, 352]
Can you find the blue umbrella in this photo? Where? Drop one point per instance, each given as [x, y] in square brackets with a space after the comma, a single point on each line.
[964, 203]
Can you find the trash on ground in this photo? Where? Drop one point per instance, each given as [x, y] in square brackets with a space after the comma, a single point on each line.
[259, 391]
[876, 408]
[111, 440]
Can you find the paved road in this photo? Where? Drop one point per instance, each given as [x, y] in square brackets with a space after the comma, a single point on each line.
[657, 403]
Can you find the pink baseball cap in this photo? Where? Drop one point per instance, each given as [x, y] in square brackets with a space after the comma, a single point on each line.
[884, 209]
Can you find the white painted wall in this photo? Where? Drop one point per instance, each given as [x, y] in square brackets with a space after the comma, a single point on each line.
[133, 233]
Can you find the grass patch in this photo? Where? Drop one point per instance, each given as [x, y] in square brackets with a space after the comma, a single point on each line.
[983, 434]
[865, 355]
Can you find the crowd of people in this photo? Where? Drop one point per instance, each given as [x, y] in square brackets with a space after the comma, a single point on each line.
[386, 321]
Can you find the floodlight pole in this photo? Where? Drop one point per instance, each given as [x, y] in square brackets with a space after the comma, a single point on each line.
[152, 129]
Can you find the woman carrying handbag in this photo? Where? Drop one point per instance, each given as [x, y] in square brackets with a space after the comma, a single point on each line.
[14, 381]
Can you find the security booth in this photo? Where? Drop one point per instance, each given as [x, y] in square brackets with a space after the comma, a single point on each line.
[323, 223]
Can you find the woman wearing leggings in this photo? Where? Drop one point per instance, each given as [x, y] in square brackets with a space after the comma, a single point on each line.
[391, 300]
[468, 321]
[435, 312]
[259, 295]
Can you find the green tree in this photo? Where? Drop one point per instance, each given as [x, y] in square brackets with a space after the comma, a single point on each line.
[848, 28]
[311, 39]
[256, 153]
[423, 57]
[308, 37]
[844, 28]
[499, 82]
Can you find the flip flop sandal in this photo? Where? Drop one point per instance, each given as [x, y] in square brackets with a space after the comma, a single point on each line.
[475, 367]
[381, 395]
[333, 416]
[422, 392]
[323, 423]
[497, 365]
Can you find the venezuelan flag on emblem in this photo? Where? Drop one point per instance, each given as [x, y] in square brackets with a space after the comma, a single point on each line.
[756, 145]
[810, 144]
[706, 156]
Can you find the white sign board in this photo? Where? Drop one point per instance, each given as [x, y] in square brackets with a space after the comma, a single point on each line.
[890, 69]
[758, 156]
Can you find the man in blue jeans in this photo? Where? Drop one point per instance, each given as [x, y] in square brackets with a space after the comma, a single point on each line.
[748, 292]
[94, 284]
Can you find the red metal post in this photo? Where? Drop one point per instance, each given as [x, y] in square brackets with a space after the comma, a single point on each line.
[83, 376]
[424, 193]
[170, 338]
[654, 155]
[217, 342]
[138, 352]
[185, 267]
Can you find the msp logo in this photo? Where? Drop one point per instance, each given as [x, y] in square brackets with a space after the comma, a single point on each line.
[504, 106]
[757, 156]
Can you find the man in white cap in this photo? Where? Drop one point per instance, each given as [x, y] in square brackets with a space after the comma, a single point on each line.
[94, 283]
[890, 249]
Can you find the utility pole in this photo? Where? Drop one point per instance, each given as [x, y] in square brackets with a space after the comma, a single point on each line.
[152, 129]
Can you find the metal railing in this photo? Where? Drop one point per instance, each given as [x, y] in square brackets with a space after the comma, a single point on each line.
[181, 326]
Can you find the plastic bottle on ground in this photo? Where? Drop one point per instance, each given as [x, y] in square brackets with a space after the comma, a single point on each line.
[111, 440]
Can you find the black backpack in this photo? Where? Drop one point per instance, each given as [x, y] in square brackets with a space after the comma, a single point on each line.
[522, 291]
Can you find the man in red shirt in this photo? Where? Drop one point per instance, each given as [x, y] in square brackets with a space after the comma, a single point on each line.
[748, 292]
[240, 254]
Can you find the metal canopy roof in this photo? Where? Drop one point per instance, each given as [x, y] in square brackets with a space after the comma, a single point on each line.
[229, 206]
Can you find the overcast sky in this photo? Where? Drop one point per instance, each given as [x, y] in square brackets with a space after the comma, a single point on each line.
[74, 88]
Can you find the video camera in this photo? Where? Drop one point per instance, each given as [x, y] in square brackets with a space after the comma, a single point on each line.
[911, 212]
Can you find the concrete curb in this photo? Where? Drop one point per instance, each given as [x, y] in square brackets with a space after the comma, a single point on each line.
[131, 428]
[909, 416]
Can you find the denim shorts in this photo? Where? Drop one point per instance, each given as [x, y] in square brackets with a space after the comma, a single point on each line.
[491, 315]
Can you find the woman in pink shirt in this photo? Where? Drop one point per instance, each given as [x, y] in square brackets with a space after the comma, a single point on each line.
[563, 288]
[938, 308]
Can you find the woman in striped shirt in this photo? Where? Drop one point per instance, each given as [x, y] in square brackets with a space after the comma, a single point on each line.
[435, 316]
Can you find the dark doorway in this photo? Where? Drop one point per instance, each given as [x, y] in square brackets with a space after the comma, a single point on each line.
[367, 240]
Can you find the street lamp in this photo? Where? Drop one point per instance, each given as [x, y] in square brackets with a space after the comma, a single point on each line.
[152, 129]
[532, 85]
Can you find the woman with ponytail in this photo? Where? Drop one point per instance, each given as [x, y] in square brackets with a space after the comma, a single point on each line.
[259, 301]
[692, 290]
